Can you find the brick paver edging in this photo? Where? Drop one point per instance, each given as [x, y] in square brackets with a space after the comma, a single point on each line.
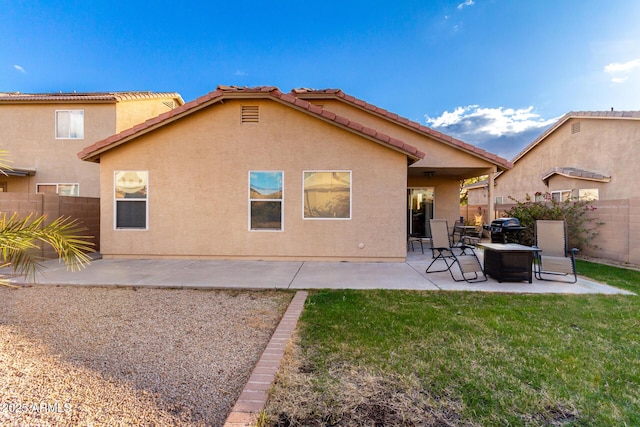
[254, 396]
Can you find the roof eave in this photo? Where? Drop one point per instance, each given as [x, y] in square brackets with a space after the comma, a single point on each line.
[337, 94]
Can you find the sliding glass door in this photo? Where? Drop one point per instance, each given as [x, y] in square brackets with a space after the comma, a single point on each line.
[420, 211]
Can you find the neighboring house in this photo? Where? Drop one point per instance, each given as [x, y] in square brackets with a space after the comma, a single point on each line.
[590, 156]
[43, 133]
[254, 173]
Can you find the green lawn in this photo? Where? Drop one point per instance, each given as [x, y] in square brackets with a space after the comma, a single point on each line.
[465, 358]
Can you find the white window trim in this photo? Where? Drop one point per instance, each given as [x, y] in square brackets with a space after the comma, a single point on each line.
[115, 203]
[350, 195]
[58, 184]
[55, 119]
[264, 230]
[561, 192]
[501, 202]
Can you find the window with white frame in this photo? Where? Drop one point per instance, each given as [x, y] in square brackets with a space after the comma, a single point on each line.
[561, 196]
[70, 124]
[326, 195]
[588, 194]
[130, 193]
[266, 200]
[66, 189]
[499, 200]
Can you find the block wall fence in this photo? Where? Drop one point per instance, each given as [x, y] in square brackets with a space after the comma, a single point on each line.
[617, 223]
[85, 209]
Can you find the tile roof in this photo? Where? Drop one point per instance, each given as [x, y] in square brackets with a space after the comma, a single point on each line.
[92, 153]
[88, 97]
[340, 95]
[615, 115]
[576, 173]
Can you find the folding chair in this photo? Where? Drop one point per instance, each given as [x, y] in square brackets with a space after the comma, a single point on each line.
[442, 249]
[411, 238]
[554, 258]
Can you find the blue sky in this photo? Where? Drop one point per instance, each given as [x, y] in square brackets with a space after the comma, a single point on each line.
[494, 73]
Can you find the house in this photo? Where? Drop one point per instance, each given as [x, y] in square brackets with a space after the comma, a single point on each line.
[43, 133]
[583, 155]
[255, 173]
[589, 156]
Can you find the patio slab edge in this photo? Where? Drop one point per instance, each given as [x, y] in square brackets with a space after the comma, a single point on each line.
[254, 396]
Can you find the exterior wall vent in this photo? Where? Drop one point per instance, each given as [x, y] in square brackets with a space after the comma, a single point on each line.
[250, 114]
[575, 128]
[171, 104]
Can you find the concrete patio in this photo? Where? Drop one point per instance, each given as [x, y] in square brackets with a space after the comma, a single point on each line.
[217, 274]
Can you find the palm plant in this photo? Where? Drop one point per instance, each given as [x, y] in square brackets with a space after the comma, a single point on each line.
[20, 238]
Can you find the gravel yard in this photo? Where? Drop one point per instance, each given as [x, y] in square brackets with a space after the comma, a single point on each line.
[127, 356]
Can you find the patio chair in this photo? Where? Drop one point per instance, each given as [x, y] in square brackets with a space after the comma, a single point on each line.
[554, 258]
[441, 248]
[411, 238]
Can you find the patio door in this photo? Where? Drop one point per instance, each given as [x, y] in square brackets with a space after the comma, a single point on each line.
[420, 210]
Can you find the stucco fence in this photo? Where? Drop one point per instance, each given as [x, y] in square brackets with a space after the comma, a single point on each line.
[85, 209]
[617, 223]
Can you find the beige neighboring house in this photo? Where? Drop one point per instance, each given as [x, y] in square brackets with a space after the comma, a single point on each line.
[43, 133]
[589, 155]
[255, 173]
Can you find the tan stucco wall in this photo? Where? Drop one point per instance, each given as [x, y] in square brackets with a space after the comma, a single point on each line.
[604, 146]
[438, 156]
[446, 196]
[130, 113]
[28, 132]
[198, 188]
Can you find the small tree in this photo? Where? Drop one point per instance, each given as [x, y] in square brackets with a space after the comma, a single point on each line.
[19, 239]
[573, 211]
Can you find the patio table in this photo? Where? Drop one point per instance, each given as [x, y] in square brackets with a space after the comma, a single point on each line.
[509, 262]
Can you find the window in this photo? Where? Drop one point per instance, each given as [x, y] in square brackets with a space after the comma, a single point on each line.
[561, 196]
[588, 194]
[265, 200]
[327, 195]
[70, 124]
[131, 199]
[499, 200]
[60, 189]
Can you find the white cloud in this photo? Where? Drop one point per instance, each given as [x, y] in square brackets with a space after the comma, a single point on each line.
[619, 79]
[620, 70]
[19, 68]
[621, 67]
[241, 73]
[503, 131]
[466, 3]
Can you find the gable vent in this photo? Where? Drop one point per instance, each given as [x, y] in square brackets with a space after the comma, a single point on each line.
[170, 104]
[575, 128]
[250, 114]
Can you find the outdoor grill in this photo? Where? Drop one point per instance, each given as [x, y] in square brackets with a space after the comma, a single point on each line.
[506, 230]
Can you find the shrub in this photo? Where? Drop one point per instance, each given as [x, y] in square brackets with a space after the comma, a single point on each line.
[581, 230]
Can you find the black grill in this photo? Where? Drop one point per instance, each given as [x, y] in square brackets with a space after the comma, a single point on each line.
[506, 230]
